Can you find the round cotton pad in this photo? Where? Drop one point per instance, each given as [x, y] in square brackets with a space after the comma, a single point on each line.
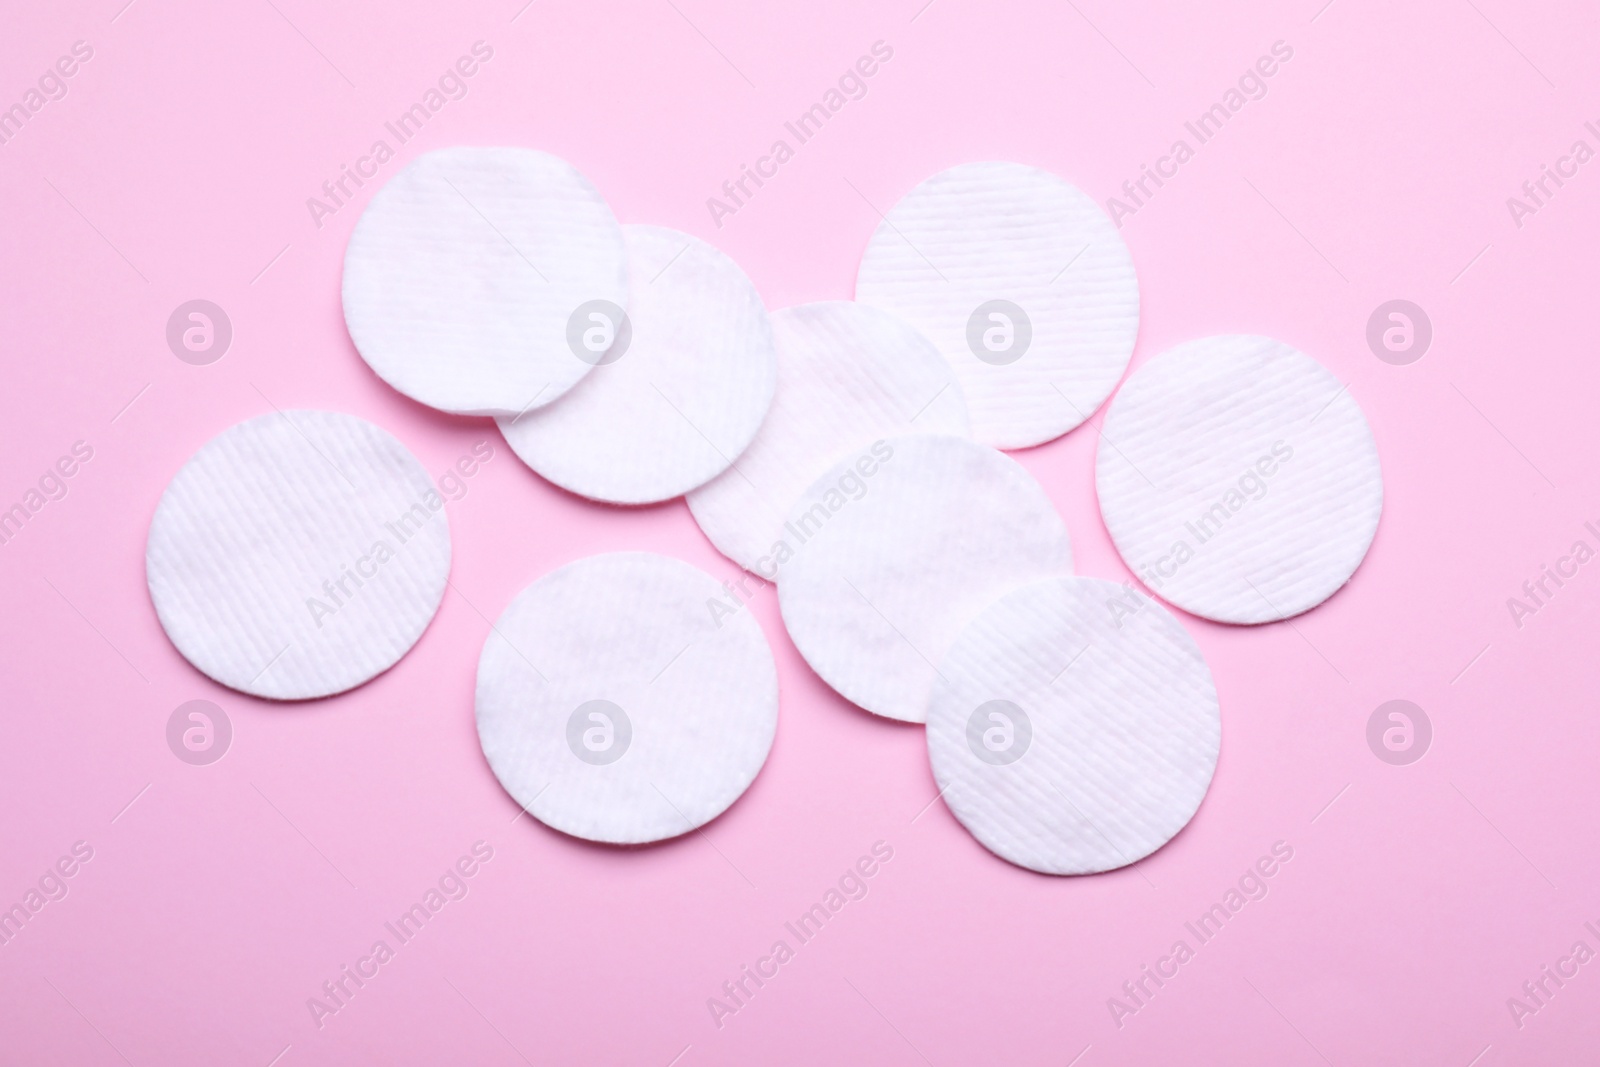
[298, 554]
[683, 396]
[1078, 727]
[472, 277]
[1023, 284]
[1239, 479]
[848, 375]
[893, 551]
[613, 706]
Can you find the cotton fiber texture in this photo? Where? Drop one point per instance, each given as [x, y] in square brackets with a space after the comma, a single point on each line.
[614, 707]
[1239, 479]
[471, 277]
[848, 375]
[298, 554]
[1077, 728]
[1022, 283]
[896, 548]
[677, 394]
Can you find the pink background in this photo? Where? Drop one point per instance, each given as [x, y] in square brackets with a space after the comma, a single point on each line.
[1377, 167]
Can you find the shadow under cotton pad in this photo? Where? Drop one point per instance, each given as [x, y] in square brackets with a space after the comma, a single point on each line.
[679, 391]
[298, 554]
[1077, 728]
[466, 273]
[896, 549]
[1239, 479]
[1022, 282]
[613, 706]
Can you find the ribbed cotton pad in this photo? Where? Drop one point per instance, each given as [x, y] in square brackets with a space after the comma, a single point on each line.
[896, 549]
[1077, 729]
[848, 375]
[298, 554]
[685, 396]
[1024, 285]
[1239, 479]
[472, 276]
[614, 708]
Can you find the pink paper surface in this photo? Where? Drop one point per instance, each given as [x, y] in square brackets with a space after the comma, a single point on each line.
[1376, 166]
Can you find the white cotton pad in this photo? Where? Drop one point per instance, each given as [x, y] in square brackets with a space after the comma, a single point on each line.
[891, 552]
[848, 375]
[472, 275]
[677, 397]
[1024, 285]
[298, 554]
[1078, 727]
[1239, 479]
[614, 706]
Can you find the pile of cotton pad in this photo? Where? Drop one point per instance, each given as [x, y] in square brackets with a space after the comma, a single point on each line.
[847, 451]
[627, 364]
[1072, 724]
